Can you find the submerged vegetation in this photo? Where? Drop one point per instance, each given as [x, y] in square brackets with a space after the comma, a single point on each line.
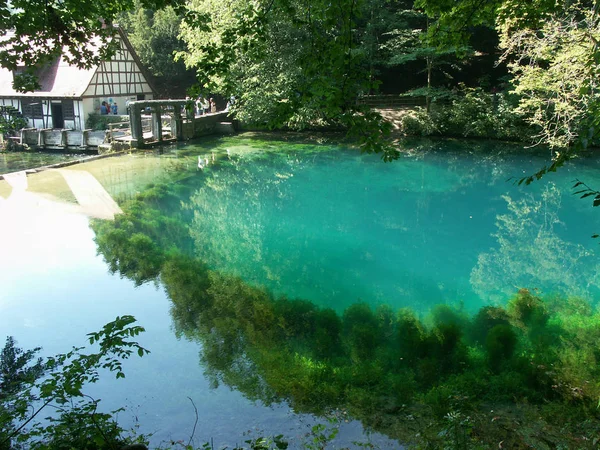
[520, 373]
[525, 374]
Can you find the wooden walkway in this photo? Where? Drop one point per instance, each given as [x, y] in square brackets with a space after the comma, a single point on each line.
[93, 200]
[90, 194]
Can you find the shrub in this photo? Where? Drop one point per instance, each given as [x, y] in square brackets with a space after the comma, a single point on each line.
[471, 113]
[411, 338]
[486, 318]
[500, 345]
[418, 123]
[11, 120]
[29, 386]
[361, 331]
[99, 122]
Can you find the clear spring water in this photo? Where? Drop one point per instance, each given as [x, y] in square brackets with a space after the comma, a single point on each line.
[318, 222]
[15, 161]
[443, 225]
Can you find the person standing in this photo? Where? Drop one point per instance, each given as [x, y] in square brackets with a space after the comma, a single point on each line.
[230, 103]
[213, 106]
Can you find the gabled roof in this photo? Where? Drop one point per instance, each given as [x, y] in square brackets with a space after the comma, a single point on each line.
[61, 79]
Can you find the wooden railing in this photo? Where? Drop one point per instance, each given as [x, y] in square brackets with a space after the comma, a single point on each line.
[117, 129]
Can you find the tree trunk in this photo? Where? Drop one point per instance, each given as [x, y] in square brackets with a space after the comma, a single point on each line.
[428, 96]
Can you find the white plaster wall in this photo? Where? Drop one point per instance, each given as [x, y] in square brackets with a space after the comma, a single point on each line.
[76, 124]
[89, 106]
[92, 104]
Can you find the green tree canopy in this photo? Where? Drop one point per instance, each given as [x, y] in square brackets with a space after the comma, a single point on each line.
[34, 33]
[290, 64]
[552, 53]
[155, 37]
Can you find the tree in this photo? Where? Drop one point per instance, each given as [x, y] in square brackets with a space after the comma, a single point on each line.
[411, 42]
[34, 34]
[155, 37]
[554, 59]
[290, 64]
[29, 386]
[555, 71]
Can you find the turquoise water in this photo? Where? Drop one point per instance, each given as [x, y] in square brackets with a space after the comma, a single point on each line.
[16, 161]
[313, 221]
[336, 227]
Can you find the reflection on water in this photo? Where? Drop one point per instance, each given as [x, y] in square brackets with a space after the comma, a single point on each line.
[90, 196]
[23, 160]
[404, 295]
[336, 228]
[530, 252]
[348, 242]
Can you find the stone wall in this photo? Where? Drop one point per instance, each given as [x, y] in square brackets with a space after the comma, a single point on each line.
[61, 139]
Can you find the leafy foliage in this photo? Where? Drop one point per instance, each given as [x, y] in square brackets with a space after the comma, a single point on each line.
[155, 37]
[29, 386]
[289, 64]
[555, 71]
[552, 52]
[36, 34]
[470, 112]
[11, 120]
[412, 42]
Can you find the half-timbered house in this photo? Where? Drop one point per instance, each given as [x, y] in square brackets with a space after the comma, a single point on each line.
[69, 94]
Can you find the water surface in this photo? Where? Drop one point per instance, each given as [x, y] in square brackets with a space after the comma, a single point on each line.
[317, 222]
[23, 160]
[444, 225]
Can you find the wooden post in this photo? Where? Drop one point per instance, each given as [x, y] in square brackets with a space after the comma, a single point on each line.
[135, 119]
[157, 123]
[177, 123]
[64, 140]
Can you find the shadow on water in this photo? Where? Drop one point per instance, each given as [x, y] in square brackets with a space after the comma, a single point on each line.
[522, 372]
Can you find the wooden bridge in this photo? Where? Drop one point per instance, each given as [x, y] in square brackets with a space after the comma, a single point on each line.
[169, 121]
[150, 122]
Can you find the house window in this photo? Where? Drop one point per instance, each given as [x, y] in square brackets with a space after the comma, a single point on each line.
[32, 108]
[68, 110]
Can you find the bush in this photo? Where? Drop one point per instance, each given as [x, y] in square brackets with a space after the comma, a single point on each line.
[500, 345]
[471, 113]
[418, 123]
[11, 120]
[29, 385]
[99, 122]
